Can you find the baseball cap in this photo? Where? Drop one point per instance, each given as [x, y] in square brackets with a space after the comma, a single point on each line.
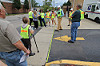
[71, 9]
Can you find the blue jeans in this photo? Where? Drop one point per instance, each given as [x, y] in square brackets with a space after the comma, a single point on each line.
[42, 20]
[74, 28]
[13, 58]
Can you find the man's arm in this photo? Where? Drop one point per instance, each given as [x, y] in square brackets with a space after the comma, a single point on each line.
[20, 46]
[14, 37]
[62, 13]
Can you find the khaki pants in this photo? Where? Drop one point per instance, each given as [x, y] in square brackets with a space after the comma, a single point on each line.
[59, 24]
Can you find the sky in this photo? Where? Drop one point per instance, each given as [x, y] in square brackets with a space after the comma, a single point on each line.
[58, 2]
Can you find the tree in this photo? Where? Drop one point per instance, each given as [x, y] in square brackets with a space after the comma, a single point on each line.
[17, 4]
[68, 3]
[65, 4]
[46, 5]
[34, 3]
[26, 4]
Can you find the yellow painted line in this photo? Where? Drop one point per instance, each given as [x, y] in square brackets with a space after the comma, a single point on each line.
[50, 45]
[66, 38]
[74, 62]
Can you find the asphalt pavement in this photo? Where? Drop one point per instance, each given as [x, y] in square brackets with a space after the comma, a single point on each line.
[83, 50]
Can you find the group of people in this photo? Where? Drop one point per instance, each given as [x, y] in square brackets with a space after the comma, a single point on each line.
[12, 43]
[45, 18]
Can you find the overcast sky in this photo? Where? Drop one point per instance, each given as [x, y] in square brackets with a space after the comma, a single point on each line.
[58, 2]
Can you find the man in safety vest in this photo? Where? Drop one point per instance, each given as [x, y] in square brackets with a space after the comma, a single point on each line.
[60, 14]
[47, 15]
[42, 15]
[30, 16]
[53, 14]
[70, 14]
[76, 18]
[26, 31]
[82, 14]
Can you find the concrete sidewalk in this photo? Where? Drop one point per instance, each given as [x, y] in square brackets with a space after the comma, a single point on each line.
[43, 39]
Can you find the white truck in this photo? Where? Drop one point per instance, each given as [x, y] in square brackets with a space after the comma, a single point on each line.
[92, 11]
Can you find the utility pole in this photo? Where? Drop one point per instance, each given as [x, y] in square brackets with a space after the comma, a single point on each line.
[73, 4]
[54, 3]
[30, 5]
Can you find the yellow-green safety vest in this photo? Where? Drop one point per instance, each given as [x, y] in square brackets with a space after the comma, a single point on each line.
[71, 14]
[42, 15]
[48, 14]
[82, 14]
[25, 32]
[30, 14]
[59, 13]
[53, 15]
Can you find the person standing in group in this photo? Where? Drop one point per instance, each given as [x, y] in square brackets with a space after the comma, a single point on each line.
[60, 14]
[53, 14]
[76, 18]
[39, 16]
[47, 15]
[30, 16]
[26, 32]
[35, 19]
[10, 44]
[70, 14]
[42, 18]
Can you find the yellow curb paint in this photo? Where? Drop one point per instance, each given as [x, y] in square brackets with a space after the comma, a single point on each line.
[74, 62]
[66, 38]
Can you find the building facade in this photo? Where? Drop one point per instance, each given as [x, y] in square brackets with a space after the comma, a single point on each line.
[8, 4]
[76, 2]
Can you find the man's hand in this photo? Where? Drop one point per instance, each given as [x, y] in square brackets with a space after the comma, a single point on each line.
[27, 52]
[59, 17]
[20, 46]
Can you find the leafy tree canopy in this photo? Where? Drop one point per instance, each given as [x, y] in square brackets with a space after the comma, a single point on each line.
[34, 3]
[26, 4]
[47, 5]
[68, 3]
[17, 4]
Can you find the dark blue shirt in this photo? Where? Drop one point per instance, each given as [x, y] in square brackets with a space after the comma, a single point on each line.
[76, 16]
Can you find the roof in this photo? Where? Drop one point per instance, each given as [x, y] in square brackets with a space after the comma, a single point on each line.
[6, 1]
[9, 1]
